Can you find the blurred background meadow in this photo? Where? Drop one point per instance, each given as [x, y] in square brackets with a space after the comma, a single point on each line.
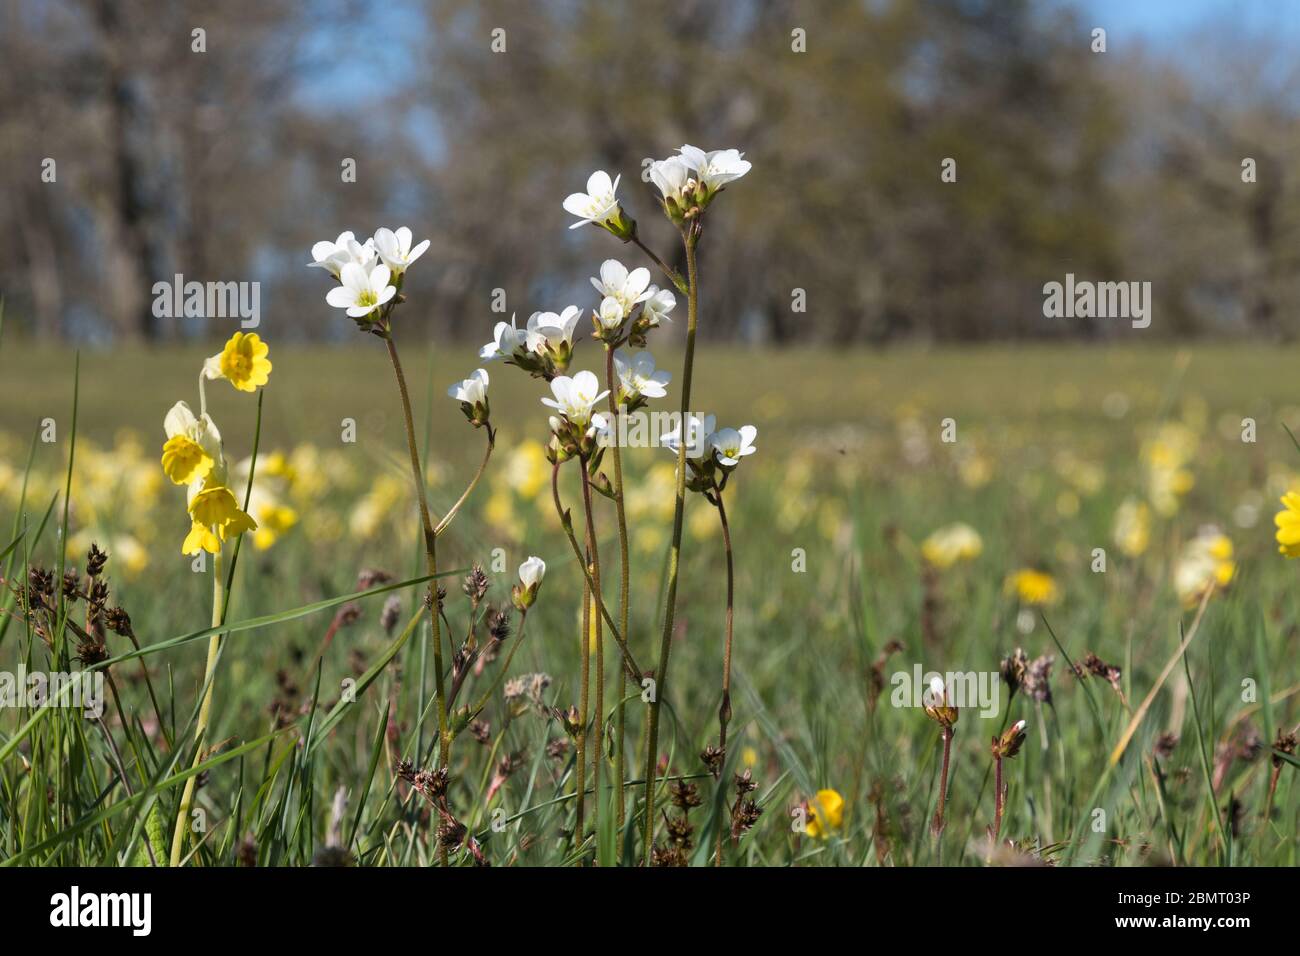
[865, 542]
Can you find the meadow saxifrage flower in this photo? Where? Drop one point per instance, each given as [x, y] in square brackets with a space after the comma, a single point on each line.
[361, 291]
[333, 256]
[242, 362]
[531, 573]
[715, 168]
[639, 379]
[599, 205]
[627, 289]
[698, 431]
[575, 397]
[394, 248]
[729, 445]
[472, 395]
[550, 336]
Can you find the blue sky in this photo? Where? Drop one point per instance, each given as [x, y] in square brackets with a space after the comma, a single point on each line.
[1158, 22]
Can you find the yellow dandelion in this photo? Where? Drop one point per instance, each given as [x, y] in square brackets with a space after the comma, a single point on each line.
[1288, 525]
[1036, 588]
[825, 813]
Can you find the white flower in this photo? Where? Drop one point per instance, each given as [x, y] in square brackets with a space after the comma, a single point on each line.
[638, 377]
[532, 571]
[361, 292]
[698, 431]
[597, 204]
[731, 445]
[715, 168]
[659, 302]
[548, 329]
[610, 314]
[625, 288]
[506, 341]
[575, 397]
[671, 175]
[395, 248]
[1020, 726]
[473, 390]
[333, 256]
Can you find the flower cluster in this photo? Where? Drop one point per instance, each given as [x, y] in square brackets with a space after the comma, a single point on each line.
[369, 273]
[194, 456]
[712, 453]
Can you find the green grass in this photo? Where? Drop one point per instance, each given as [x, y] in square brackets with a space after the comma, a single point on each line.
[850, 469]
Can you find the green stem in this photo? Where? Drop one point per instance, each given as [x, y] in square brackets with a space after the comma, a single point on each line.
[205, 712]
[689, 237]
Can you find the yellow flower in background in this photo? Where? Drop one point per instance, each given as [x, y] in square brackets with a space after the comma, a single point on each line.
[370, 512]
[273, 520]
[703, 523]
[952, 543]
[1036, 588]
[1206, 561]
[975, 471]
[1288, 525]
[825, 813]
[243, 362]
[1165, 457]
[749, 757]
[526, 470]
[1132, 531]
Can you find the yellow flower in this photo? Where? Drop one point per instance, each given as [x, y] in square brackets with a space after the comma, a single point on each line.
[825, 813]
[749, 757]
[184, 460]
[1032, 587]
[200, 539]
[242, 362]
[1206, 561]
[214, 505]
[1288, 525]
[1132, 530]
[526, 470]
[952, 543]
[273, 520]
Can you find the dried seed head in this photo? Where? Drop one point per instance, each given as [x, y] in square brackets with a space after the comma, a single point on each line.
[118, 621]
[476, 584]
[481, 731]
[98, 595]
[1037, 679]
[1013, 668]
[685, 795]
[95, 560]
[391, 613]
[71, 585]
[1164, 745]
[1284, 742]
[713, 758]
[499, 625]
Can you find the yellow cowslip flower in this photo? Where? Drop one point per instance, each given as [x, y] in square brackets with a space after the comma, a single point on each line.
[950, 544]
[193, 445]
[242, 362]
[1032, 587]
[1288, 525]
[825, 813]
[216, 516]
[1132, 531]
[1206, 561]
[273, 520]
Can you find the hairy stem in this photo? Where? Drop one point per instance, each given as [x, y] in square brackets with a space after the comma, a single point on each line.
[594, 560]
[724, 708]
[620, 723]
[938, 824]
[689, 236]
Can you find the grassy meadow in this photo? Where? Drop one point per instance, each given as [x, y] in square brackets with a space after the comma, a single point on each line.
[1152, 757]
